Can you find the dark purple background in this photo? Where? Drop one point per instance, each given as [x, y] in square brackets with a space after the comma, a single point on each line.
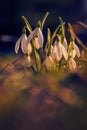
[11, 11]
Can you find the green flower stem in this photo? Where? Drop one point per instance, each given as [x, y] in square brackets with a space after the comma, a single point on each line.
[35, 57]
[51, 38]
[44, 19]
[60, 65]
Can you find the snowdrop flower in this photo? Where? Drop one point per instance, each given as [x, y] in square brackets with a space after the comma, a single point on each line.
[37, 37]
[72, 63]
[64, 41]
[73, 53]
[21, 42]
[49, 63]
[74, 50]
[58, 51]
[29, 48]
[29, 60]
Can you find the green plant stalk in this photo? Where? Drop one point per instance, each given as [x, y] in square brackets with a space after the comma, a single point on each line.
[52, 37]
[44, 19]
[62, 26]
[35, 57]
[54, 33]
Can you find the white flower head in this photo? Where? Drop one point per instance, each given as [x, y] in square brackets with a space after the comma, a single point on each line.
[21, 42]
[74, 50]
[49, 63]
[58, 51]
[65, 44]
[72, 64]
[29, 61]
[73, 53]
[38, 38]
[29, 48]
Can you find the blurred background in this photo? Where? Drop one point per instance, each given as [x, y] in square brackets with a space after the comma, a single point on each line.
[11, 11]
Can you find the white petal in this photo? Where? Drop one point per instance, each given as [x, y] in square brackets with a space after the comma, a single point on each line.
[64, 52]
[29, 59]
[36, 43]
[24, 43]
[59, 50]
[72, 64]
[40, 37]
[55, 54]
[76, 49]
[73, 53]
[29, 48]
[65, 43]
[18, 44]
[30, 37]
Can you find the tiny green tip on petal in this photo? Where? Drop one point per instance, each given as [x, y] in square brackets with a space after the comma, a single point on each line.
[70, 27]
[38, 24]
[60, 19]
[24, 30]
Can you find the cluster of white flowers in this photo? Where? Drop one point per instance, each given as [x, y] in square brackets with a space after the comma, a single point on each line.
[55, 53]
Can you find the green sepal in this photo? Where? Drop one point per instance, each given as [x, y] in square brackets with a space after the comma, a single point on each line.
[38, 60]
[24, 30]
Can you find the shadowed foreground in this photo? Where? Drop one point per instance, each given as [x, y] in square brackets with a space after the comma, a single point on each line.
[35, 102]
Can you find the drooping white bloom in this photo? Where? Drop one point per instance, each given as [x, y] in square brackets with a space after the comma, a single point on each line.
[65, 44]
[72, 63]
[29, 59]
[36, 43]
[29, 48]
[58, 51]
[49, 63]
[37, 38]
[74, 50]
[73, 53]
[21, 42]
